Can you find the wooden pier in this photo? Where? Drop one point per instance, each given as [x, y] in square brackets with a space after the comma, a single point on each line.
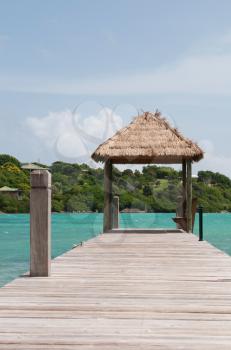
[124, 291]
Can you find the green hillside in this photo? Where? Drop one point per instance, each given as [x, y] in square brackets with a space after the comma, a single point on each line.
[80, 188]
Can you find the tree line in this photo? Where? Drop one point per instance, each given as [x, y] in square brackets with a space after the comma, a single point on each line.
[79, 188]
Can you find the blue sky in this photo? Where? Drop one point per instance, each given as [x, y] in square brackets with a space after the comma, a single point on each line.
[107, 58]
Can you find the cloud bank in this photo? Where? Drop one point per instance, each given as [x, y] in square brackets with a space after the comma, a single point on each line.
[70, 136]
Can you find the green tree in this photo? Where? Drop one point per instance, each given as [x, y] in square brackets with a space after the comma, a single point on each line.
[147, 191]
[5, 158]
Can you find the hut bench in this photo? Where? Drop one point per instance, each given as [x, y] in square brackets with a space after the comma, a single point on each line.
[181, 221]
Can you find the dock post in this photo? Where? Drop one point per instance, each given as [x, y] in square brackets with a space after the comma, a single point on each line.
[107, 220]
[40, 223]
[189, 196]
[116, 210]
[200, 211]
[184, 187]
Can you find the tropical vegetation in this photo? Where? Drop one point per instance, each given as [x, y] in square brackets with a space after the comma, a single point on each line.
[79, 188]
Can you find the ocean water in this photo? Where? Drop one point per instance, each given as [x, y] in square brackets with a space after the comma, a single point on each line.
[71, 229]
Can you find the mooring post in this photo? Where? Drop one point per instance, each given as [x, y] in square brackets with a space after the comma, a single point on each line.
[200, 211]
[40, 223]
[116, 210]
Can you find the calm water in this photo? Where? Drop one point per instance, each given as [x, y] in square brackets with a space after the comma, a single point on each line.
[70, 229]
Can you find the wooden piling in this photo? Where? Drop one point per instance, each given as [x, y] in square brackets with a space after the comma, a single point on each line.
[189, 196]
[116, 210]
[107, 225]
[184, 191]
[40, 223]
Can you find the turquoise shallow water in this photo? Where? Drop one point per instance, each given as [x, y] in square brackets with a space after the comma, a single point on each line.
[70, 229]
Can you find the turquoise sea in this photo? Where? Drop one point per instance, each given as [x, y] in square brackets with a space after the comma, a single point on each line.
[71, 229]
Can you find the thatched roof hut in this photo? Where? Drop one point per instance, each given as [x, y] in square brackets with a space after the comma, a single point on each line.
[148, 139]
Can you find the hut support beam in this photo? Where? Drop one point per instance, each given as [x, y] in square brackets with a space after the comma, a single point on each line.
[184, 192]
[189, 195]
[107, 223]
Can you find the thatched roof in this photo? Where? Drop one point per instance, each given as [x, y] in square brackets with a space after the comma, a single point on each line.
[148, 139]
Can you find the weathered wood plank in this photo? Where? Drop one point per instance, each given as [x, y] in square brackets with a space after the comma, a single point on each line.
[124, 291]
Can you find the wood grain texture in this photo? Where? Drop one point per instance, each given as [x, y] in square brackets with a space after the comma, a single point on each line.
[124, 291]
[40, 223]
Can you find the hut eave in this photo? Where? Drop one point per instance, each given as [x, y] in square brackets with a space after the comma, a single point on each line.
[149, 139]
[145, 160]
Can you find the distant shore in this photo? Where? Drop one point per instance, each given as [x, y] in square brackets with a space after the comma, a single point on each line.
[130, 211]
[79, 188]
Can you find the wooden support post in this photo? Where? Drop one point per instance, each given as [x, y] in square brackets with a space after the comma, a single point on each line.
[40, 223]
[116, 210]
[107, 224]
[189, 196]
[184, 192]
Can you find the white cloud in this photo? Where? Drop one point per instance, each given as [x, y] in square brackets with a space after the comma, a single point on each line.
[72, 137]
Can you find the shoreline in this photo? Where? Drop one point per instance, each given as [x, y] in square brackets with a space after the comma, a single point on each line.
[121, 212]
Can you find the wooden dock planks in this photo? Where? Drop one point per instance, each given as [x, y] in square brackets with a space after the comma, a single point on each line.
[124, 291]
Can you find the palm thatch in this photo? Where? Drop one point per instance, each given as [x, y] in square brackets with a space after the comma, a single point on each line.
[148, 139]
